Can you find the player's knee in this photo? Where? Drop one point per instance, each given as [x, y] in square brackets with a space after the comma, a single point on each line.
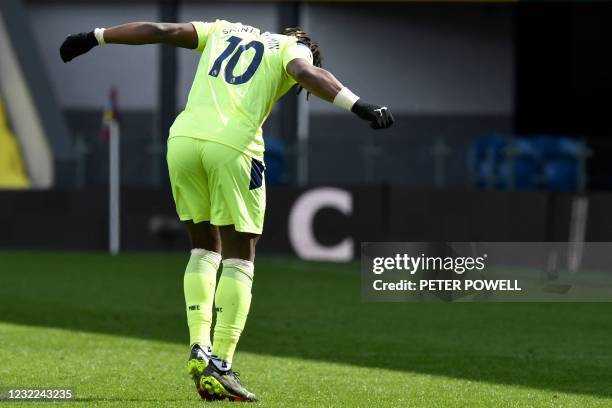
[239, 245]
[248, 244]
[204, 235]
[209, 243]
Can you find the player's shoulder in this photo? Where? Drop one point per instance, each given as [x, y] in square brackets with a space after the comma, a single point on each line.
[280, 43]
[275, 41]
[286, 40]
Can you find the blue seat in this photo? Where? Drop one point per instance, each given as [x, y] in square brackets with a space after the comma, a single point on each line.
[561, 174]
[487, 152]
[527, 163]
[555, 146]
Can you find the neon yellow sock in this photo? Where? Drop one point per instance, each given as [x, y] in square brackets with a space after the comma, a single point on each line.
[232, 303]
[199, 285]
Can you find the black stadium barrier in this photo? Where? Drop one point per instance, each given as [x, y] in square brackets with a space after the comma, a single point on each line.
[316, 223]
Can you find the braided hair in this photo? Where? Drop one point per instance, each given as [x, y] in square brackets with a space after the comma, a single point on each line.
[303, 38]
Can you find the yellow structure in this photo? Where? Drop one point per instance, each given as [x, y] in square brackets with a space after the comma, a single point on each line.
[12, 173]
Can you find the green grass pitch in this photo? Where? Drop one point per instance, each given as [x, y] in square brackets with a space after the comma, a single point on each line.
[113, 328]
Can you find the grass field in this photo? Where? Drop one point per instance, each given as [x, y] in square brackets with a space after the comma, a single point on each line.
[114, 330]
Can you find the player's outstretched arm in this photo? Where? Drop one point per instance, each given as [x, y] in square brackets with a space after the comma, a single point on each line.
[177, 34]
[324, 85]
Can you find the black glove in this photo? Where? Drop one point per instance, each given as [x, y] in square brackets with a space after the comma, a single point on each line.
[77, 44]
[380, 117]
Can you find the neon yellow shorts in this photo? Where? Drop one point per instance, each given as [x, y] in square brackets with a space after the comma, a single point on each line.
[213, 182]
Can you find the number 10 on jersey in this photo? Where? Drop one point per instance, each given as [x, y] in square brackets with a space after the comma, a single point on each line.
[235, 50]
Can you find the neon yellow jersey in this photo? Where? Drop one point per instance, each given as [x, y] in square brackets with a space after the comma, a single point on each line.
[240, 76]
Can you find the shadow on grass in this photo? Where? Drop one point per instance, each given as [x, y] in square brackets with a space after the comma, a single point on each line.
[313, 311]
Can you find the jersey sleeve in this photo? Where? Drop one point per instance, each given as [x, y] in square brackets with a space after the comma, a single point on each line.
[294, 51]
[202, 30]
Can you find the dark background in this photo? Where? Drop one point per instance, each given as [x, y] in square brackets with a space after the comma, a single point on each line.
[451, 73]
[563, 76]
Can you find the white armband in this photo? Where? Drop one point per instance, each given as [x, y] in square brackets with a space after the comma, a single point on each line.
[345, 99]
[99, 33]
